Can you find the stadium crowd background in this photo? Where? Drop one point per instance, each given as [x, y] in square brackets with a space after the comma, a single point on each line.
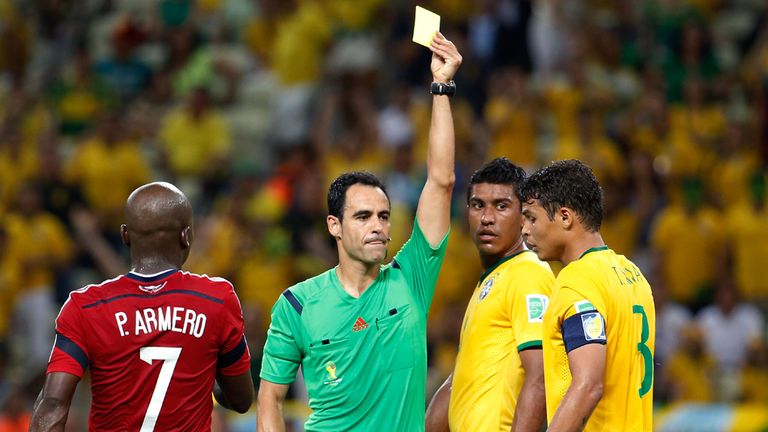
[252, 107]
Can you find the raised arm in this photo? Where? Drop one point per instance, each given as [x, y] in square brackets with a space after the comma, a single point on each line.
[587, 365]
[52, 406]
[434, 209]
[270, 414]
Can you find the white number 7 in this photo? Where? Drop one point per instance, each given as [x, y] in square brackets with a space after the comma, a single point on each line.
[169, 356]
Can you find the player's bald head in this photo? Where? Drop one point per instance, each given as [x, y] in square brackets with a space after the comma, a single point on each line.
[156, 207]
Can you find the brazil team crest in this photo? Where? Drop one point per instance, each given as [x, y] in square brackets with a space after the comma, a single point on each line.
[486, 288]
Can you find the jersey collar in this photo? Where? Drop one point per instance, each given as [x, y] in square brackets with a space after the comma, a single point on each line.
[152, 277]
[594, 249]
[500, 262]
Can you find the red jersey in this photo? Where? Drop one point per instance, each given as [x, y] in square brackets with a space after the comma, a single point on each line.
[154, 345]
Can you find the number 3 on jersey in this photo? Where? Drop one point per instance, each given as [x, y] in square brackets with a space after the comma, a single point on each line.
[169, 356]
[645, 385]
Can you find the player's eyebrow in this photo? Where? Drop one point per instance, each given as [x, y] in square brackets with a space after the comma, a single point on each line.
[359, 213]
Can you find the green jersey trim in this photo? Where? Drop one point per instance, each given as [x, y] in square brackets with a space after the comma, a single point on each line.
[594, 249]
[498, 263]
[529, 345]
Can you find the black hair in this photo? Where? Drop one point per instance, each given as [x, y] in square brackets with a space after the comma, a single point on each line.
[498, 171]
[337, 192]
[567, 183]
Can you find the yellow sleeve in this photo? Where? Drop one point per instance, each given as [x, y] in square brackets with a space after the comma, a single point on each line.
[530, 299]
[577, 293]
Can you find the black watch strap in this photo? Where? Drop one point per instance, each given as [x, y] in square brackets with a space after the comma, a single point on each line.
[438, 88]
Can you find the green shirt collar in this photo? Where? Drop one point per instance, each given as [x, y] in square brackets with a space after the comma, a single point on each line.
[500, 262]
[594, 249]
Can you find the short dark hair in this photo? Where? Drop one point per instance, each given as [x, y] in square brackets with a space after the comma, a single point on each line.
[567, 183]
[337, 192]
[498, 171]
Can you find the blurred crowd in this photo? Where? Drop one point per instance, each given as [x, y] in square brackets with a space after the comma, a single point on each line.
[252, 107]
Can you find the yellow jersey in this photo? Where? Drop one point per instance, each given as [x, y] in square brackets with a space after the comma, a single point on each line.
[749, 242]
[610, 301]
[503, 318]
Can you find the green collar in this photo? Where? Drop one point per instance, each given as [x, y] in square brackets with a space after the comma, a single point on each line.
[594, 249]
[500, 262]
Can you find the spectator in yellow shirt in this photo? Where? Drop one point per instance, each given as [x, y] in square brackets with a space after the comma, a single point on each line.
[18, 163]
[40, 245]
[690, 372]
[754, 376]
[106, 168]
[511, 113]
[747, 222]
[689, 241]
[196, 142]
[9, 276]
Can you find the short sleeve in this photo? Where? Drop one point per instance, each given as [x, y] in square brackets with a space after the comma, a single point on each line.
[421, 263]
[234, 356]
[528, 302]
[282, 355]
[70, 349]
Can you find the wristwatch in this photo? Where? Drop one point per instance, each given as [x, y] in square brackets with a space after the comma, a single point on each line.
[438, 88]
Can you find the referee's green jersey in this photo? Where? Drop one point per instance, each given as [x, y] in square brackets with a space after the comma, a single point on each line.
[364, 359]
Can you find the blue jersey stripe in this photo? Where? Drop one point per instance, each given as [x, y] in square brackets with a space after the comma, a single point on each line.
[231, 357]
[293, 301]
[162, 293]
[65, 344]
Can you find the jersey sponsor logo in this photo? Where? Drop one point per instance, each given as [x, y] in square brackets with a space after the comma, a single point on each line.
[536, 305]
[332, 380]
[360, 324]
[594, 329]
[583, 306]
[486, 289]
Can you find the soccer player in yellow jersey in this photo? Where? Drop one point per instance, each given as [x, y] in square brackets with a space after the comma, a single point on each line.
[498, 380]
[600, 325]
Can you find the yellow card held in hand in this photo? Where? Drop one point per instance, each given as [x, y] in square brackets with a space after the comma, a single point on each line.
[425, 25]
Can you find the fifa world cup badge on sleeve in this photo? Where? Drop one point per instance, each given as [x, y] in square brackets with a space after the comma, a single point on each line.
[536, 305]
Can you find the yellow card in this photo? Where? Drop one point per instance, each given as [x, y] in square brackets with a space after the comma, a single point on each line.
[425, 25]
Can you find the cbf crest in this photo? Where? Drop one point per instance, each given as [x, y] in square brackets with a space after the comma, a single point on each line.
[486, 288]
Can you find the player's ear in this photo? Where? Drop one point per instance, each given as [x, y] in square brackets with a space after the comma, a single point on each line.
[124, 235]
[334, 226]
[566, 217]
[186, 237]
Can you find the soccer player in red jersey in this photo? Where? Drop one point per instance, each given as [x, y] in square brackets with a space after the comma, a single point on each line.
[155, 339]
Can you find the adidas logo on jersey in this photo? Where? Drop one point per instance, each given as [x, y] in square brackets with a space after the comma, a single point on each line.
[360, 324]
